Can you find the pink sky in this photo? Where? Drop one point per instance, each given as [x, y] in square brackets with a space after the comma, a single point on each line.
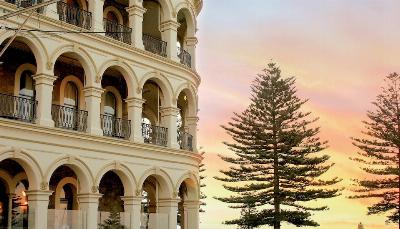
[340, 51]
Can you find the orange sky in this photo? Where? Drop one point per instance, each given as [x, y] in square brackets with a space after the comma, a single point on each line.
[340, 51]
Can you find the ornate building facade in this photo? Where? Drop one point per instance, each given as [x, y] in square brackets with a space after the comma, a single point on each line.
[98, 115]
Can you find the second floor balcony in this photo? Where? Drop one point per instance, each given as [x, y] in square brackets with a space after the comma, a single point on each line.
[68, 117]
[155, 45]
[117, 31]
[115, 127]
[74, 15]
[18, 108]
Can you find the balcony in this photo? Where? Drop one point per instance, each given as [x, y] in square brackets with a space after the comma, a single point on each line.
[184, 57]
[116, 31]
[27, 3]
[69, 118]
[155, 135]
[155, 45]
[185, 140]
[115, 127]
[18, 108]
[74, 15]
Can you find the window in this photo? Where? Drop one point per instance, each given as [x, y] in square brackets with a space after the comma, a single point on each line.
[27, 85]
[71, 95]
[110, 105]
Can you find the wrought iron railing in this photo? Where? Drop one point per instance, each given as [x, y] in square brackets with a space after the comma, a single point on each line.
[69, 118]
[185, 140]
[184, 57]
[117, 31]
[156, 135]
[155, 45]
[115, 127]
[74, 15]
[17, 107]
[27, 3]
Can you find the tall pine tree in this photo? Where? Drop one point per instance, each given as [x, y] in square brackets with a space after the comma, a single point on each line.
[278, 160]
[380, 152]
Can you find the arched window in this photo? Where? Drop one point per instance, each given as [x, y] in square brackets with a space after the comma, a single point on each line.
[112, 17]
[27, 85]
[71, 95]
[110, 106]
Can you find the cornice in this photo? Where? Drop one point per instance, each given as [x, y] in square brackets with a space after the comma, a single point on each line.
[85, 139]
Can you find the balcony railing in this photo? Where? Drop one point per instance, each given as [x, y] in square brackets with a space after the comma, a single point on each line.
[19, 108]
[117, 31]
[27, 3]
[69, 118]
[185, 140]
[115, 127]
[185, 57]
[74, 15]
[156, 135]
[155, 45]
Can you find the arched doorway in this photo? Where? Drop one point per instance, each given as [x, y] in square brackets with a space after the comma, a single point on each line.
[111, 206]
[152, 130]
[63, 209]
[14, 204]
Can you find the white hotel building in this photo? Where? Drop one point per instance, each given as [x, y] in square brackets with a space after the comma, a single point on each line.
[98, 114]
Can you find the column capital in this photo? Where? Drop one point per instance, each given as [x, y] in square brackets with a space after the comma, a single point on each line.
[169, 111]
[192, 203]
[192, 120]
[191, 41]
[43, 78]
[132, 200]
[89, 197]
[172, 202]
[135, 102]
[169, 25]
[38, 195]
[136, 10]
[93, 91]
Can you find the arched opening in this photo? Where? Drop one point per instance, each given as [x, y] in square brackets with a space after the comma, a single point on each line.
[116, 20]
[17, 87]
[187, 214]
[14, 202]
[185, 139]
[63, 202]
[152, 38]
[151, 117]
[74, 12]
[153, 190]
[111, 206]
[68, 99]
[184, 31]
[114, 109]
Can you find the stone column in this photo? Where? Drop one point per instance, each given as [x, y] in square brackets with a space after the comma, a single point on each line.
[89, 203]
[135, 108]
[170, 208]
[96, 8]
[93, 101]
[9, 214]
[136, 23]
[169, 119]
[191, 124]
[169, 34]
[191, 212]
[44, 96]
[133, 205]
[190, 45]
[38, 202]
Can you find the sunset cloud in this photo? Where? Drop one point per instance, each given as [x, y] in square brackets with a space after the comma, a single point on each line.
[339, 50]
